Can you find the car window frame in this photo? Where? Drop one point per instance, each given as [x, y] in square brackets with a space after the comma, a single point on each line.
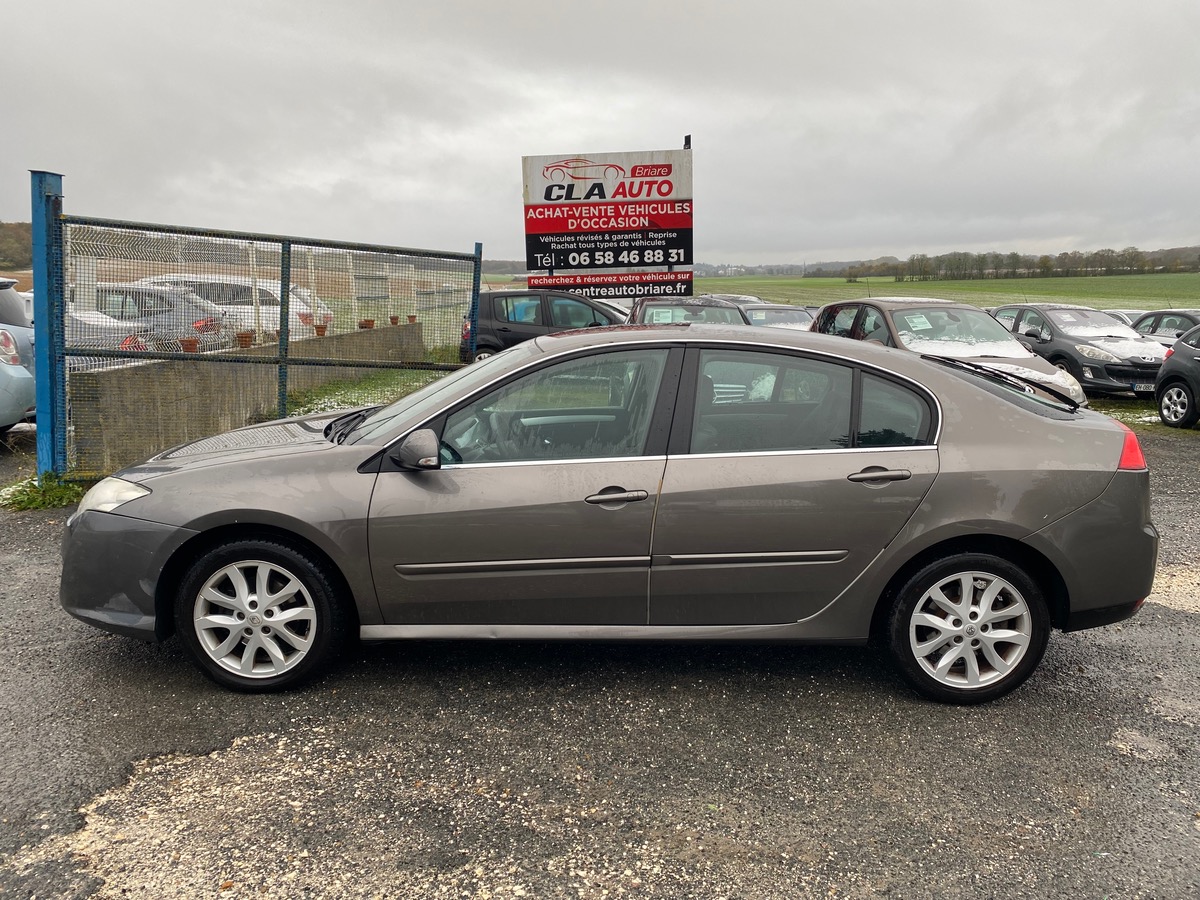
[679, 443]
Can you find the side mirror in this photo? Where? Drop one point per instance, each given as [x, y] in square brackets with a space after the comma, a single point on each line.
[418, 451]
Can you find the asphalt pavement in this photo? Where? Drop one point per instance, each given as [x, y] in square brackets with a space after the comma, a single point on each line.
[540, 770]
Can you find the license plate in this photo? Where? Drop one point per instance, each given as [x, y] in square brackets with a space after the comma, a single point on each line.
[1144, 388]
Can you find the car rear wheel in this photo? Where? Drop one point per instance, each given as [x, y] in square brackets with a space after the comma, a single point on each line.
[1177, 406]
[484, 353]
[259, 616]
[968, 629]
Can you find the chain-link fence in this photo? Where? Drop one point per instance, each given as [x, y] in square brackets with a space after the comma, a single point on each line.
[170, 335]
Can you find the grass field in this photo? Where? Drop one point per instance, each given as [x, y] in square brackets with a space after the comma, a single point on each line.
[1180, 291]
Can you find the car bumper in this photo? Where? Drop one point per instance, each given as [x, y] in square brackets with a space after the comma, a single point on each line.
[1117, 378]
[111, 567]
[16, 394]
[1106, 552]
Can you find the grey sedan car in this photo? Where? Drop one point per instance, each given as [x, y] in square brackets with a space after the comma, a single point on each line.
[594, 484]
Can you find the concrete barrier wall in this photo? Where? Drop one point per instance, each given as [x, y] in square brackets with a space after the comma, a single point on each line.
[124, 414]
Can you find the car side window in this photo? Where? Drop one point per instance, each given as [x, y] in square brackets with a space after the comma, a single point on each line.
[1032, 322]
[115, 304]
[891, 415]
[874, 327]
[595, 407]
[1006, 317]
[1146, 326]
[839, 320]
[1172, 325]
[752, 401]
[523, 309]
[568, 313]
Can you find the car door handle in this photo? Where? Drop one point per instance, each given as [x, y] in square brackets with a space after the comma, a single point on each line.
[878, 474]
[617, 496]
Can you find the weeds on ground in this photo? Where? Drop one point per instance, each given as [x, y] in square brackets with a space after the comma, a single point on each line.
[52, 493]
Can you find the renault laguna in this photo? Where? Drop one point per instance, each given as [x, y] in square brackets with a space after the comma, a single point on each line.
[671, 483]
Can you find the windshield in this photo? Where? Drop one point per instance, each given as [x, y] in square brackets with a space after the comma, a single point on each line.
[770, 315]
[377, 428]
[1089, 323]
[956, 332]
[666, 315]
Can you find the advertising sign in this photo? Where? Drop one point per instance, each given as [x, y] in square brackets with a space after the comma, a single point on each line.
[606, 211]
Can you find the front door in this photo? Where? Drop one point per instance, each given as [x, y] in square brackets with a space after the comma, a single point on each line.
[544, 511]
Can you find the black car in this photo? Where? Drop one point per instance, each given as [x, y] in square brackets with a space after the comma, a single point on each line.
[1105, 356]
[1166, 325]
[505, 318]
[1178, 382]
[664, 310]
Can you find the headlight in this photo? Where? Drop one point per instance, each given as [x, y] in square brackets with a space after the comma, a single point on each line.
[109, 494]
[1096, 353]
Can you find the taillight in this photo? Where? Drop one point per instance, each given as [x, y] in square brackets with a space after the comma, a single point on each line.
[466, 331]
[8, 349]
[1169, 354]
[1131, 452]
[306, 318]
[133, 342]
[207, 326]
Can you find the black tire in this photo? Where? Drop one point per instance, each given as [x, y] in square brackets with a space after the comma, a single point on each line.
[1069, 366]
[1177, 405]
[484, 353]
[289, 638]
[927, 636]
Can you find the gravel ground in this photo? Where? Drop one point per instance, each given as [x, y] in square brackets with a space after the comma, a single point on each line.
[532, 770]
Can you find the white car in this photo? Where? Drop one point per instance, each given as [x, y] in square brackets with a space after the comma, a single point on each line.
[253, 305]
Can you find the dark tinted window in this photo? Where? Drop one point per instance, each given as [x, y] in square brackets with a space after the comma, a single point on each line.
[523, 309]
[891, 415]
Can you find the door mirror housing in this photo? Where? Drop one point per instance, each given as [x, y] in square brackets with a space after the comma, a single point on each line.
[418, 451]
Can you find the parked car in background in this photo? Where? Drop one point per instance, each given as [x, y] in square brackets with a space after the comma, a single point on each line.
[170, 313]
[17, 400]
[666, 310]
[506, 318]
[1178, 383]
[943, 328]
[1166, 325]
[764, 312]
[778, 315]
[1102, 354]
[1126, 316]
[588, 485]
[254, 304]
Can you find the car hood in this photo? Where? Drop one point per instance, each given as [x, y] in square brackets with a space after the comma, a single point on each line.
[1129, 348]
[269, 440]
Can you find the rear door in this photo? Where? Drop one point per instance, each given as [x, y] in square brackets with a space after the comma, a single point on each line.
[779, 493]
[517, 317]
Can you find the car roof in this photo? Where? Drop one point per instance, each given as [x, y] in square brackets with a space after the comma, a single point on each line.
[1166, 312]
[1047, 305]
[909, 302]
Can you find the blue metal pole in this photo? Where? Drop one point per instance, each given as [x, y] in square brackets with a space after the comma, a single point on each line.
[285, 289]
[477, 275]
[48, 307]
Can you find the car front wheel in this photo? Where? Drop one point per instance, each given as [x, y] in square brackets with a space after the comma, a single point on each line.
[256, 616]
[1177, 406]
[968, 629]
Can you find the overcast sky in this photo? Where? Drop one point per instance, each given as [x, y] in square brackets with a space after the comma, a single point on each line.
[833, 129]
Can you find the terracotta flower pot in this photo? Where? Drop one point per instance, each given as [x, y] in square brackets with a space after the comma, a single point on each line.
[412, 320]
[395, 320]
[189, 345]
[366, 323]
[244, 339]
[321, 330]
